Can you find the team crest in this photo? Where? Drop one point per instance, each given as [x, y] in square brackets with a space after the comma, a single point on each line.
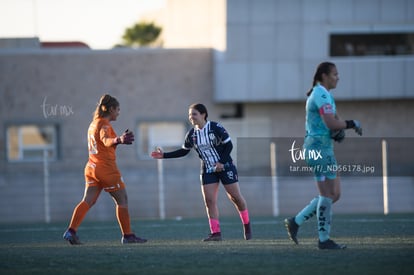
[230, 175]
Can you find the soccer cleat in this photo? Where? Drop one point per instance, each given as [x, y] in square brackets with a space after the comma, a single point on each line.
[329, 244]
[247, 231]
[131, 238]
[213, 237]
[71, 237]
[292, 229]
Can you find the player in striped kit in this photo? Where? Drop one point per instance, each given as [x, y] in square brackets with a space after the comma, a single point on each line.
[213, 145]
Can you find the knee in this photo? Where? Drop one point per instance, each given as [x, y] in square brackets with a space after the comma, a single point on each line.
[239, 201]
[209, 202]
[90, 202]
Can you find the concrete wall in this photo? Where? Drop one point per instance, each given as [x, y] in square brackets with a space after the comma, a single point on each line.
[150, 84]
[159, 85]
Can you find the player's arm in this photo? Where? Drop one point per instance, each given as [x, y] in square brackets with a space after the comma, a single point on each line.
[333, 122]
[183, 151]
[225, 155]
[159, 154]
[127, 137]
[108, 139]
[227, 147]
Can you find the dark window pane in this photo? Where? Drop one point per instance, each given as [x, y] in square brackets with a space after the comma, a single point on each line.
[371, 44]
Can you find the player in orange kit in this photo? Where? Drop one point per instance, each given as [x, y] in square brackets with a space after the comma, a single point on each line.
[101, 171]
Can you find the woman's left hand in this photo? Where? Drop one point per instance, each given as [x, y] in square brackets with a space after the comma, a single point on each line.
[219, 167]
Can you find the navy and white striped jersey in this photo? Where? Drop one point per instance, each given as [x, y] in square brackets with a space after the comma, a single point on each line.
[210, 143]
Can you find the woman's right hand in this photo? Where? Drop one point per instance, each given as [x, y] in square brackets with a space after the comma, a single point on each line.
[157, 154]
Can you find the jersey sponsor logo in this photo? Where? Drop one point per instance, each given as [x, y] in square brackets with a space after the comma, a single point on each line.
[203, 147]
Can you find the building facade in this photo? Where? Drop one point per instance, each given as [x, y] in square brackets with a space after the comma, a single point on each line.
[251, 63]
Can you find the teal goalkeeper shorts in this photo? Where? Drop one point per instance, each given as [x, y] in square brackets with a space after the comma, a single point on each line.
[320, 157]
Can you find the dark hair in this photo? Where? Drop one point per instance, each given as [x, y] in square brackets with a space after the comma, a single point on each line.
[199, 107]
[323, 68]
[104, 106]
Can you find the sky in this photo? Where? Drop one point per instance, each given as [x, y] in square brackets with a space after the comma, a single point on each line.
[98, 23]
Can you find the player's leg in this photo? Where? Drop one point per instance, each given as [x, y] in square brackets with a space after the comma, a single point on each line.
[234, 194]
[292, 224]
[337, 189]
[210, 195]
[328, 192]
[121, 201]
[323, 209]
[122, 213]
[90, 196]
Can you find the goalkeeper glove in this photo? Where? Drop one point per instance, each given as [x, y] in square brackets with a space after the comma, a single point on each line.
[126, 138]
[338, 136]
[354, 124]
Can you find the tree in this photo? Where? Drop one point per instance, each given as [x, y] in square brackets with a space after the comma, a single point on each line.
[141, 34]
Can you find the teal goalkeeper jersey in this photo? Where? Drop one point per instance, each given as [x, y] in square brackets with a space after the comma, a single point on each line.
[319, 102]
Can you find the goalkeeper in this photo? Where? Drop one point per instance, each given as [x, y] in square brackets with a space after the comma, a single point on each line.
[102, 173]
[323, 127]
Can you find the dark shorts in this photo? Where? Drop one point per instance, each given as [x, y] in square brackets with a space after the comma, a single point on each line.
[227, 176]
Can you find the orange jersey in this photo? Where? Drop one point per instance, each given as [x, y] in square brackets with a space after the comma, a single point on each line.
[101, 143]
[101, 168]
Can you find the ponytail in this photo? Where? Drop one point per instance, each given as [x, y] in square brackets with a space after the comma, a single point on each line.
[323, 68]
[104, 106]
[308, 93]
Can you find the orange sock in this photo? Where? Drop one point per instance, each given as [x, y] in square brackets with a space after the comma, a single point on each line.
[79, 214]
[123, 219]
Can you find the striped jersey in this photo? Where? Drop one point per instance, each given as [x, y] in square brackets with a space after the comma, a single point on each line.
[209, 142]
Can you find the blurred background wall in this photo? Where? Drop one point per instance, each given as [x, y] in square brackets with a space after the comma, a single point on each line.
[251, 63]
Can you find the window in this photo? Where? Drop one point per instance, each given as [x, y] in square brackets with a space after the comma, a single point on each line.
[29, 142]
[365, 44]
[167, 135]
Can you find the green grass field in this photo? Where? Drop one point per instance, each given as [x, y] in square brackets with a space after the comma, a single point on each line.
[377, 244]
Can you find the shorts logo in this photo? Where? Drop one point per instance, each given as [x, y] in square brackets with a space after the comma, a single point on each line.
[230, 175]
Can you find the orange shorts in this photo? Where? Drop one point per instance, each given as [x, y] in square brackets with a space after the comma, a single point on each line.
[110, 181]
